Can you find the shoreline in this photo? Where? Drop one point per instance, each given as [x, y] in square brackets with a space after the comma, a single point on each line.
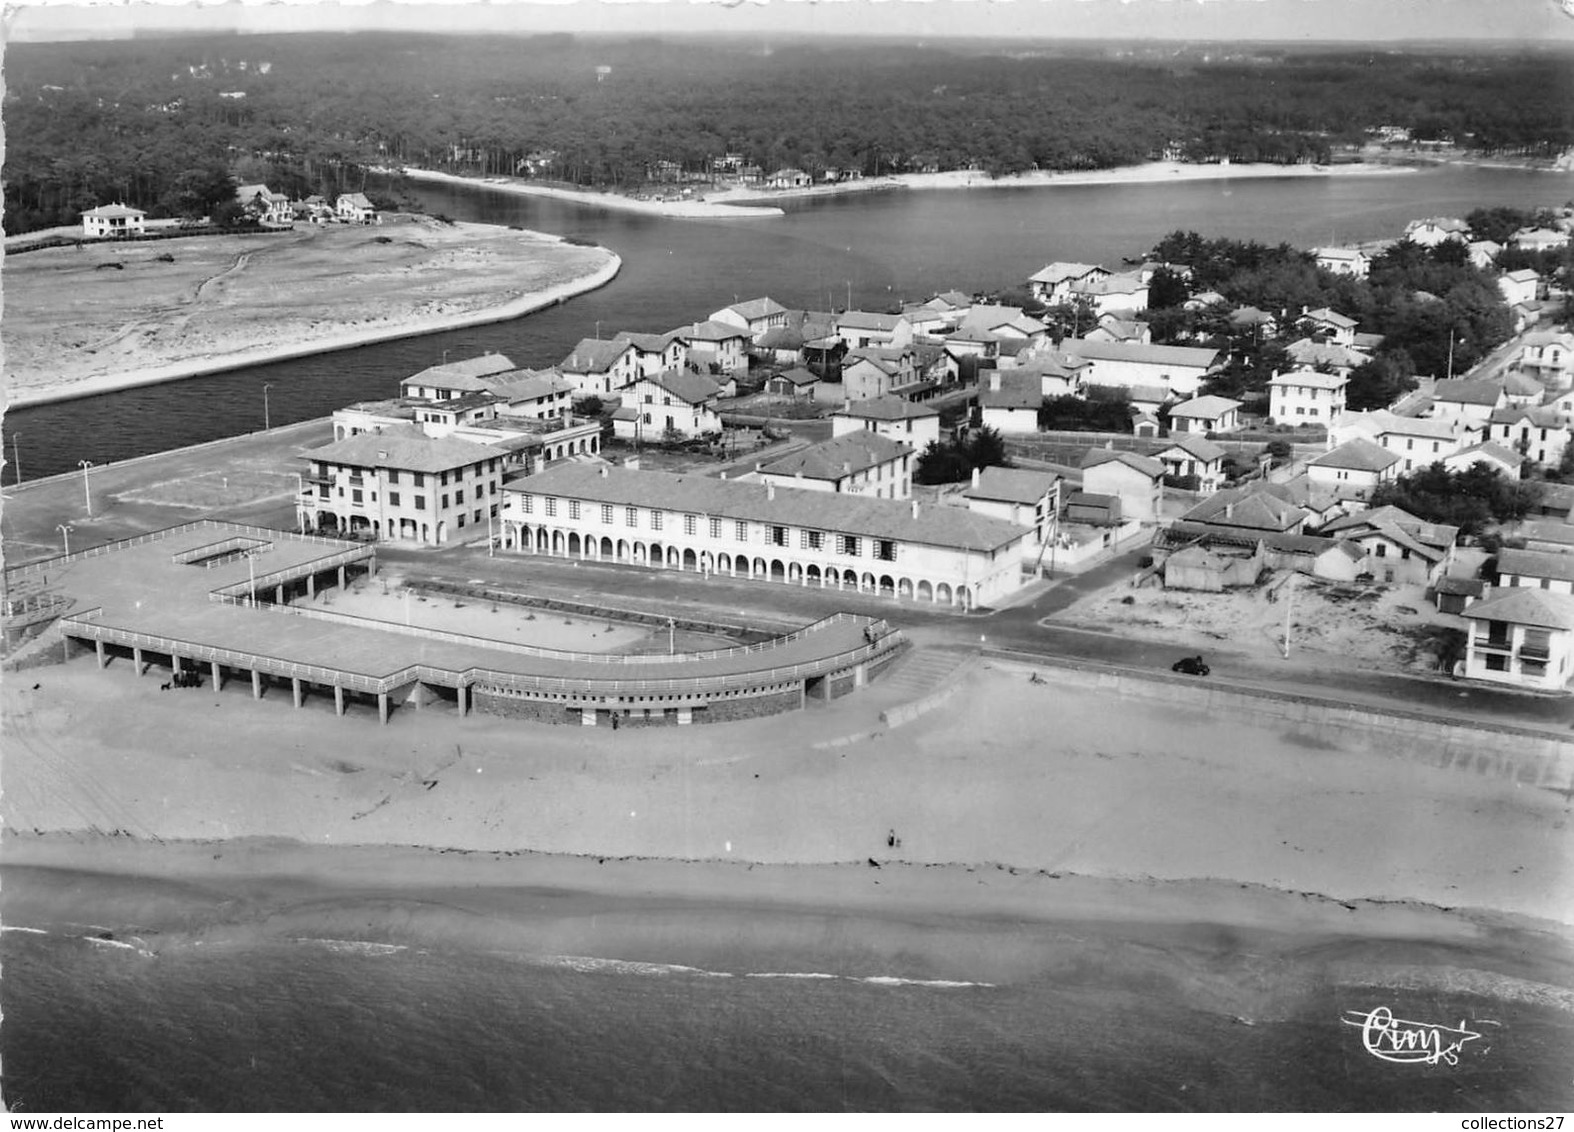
[503, 312]
[754, 203]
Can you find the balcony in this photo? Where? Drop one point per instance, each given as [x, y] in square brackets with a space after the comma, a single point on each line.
[1492, 644]
[1535, 652]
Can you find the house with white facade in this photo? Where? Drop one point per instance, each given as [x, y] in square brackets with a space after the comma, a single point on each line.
[1537, 434]
[715, 347]
[675, 402]
[1470, 401]
[1112, 293]
[1187, 456]
[872, 328]
[654, 353]
[1548, 356]
[1309, 354]
[1202, 415]
[355, 208]
[1009, 400]
[402, 485]
[1435, 229]
[905, 421]
[1521, 637]
[1483, 253]
[1017, 495]
[1539, 239]
[1112, 328]
[599, 367]
[1420, 442]
[1354, 470]
[1306, 396]
[1138, 481]
[1536, 570]
[1344, 261]
[1179, 370]
[1330, 326]
[894, 548]
[1059, 375]
[114, 220]
[1005, 323]
[754, 316]
[265, 205]
[1053, 283]
[855, 463]
[1504, 461]
[1399, 547]
[875, 371]
[1518, 286]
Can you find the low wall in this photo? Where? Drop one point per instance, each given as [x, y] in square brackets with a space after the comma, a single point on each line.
[1533, 758]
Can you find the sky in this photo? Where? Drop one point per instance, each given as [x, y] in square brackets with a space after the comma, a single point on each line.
[1215, 20]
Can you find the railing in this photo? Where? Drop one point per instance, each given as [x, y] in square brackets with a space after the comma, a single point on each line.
[1493, 644]
[581, 688]
[290, 573]
[34, 604]
[214, 549]
[1535, 652]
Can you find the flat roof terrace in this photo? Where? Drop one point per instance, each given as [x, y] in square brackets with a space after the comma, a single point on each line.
[187, 591]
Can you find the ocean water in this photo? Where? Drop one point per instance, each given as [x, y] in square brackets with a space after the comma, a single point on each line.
[1115, 1022]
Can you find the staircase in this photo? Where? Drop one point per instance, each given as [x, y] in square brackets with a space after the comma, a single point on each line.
[924, 669]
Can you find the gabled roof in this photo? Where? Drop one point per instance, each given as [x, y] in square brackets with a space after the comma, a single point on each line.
[1204, 408]
[885, 365]
[1197, 447]
[1547, 530]
[477, 367]
[1309, 379]
[1332, 317]
[1017, 391]
[887, 409]
[798, 376]
[595, 355]
[406, 448]
[1538, 415]
[1430, 428]
[1308, 353]
[1358, 455]
[1109, 285]
[1463, 391]
[1523, 275]
[1517, 384]
[1147, 465]
[1521, 605]
[752, 309]
[689, 387]
[1549, 337]
[1250, 316]
[709, 331]
[951, 527]
[108, 211]
[1192, 357]
[523, 385]
[1056, 273]
[1012, 485]
[1340, 253]
[354, 200]
[1430, 540]
[869, 320]
[1536, 564]
[1443, 223]
[1246, 507]
[646, 343]
[839, 457]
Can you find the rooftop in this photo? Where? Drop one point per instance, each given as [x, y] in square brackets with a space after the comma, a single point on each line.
[1359, 455]
[886, 409]
[839, 457]
[1520, 605]
[1012, 485]
[404, 448]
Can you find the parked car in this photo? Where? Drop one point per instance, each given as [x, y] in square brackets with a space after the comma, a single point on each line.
[1190, 665]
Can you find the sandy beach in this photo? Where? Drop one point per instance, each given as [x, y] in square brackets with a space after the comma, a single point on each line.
[712, 208]
[114, 316]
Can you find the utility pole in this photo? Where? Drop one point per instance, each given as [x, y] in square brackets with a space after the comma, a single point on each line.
[65, 533]
[267, 423]
[1289, 608]
[16, 458]
[87, 491]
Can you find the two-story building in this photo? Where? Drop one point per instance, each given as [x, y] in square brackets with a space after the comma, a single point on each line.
[1009, 400]
[874, 371]
[1399, 547]
[755, 316]
[654, 353]
[600, 367]
[1179, 370]
[1548, 356]
[1470, 401]
[1518, 286]
[401, 484]
[1052, 284]
[1329, 325]
[855, 463]
[1522, 637]
[1112, 293]
[1138, 481]
[1306, 396]
[717, 347]
[1354, 470]
[1344, 261]
[1194, 457]
[1420, 442]
[1535, 569]
[355, 208]
[114, 220]
[893, 548]
[673, 403]
[908, 422]
[859, 329]
[1435, 230]
[1537, 434]
[455, 379]
[1017, 495]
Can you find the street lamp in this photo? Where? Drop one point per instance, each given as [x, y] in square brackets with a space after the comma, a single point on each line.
[65, 533]
[251, 574]
[266, 420]
[1451, 342]
[87, 492]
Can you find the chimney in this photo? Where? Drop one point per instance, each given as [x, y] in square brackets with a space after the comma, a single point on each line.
[975, 477]
[847, 405]
[847, 468]
[1110, 444]
[770, 489]
[994, 381]
[915, 508]
[1229, 510]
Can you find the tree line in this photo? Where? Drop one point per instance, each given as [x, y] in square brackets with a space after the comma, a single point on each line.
[151, 121]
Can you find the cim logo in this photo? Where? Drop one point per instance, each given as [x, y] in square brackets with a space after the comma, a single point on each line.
[1410, 1043]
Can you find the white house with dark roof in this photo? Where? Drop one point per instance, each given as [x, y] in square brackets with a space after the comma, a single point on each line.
[715, 345]
[403, 485]
[1113, 328]
[1355, 469]
[1539, 239]
[1344, 261]
[1522, 637]
[1484, 253]
[894, 548]
[1504, 461]
[1436, 229]
[1123, 293]
[1548, 355]
[855, 463]
[456, 378]
[264, 204]
[1331, 325]
[875, 371]
[1518, 286]
[673, 402]
[1538, 434]
[1137, 480]
[1551, 535]
[1202, 415]
[1471, 401]
[1017, 495]
[1197, 456]
[1009, 400]
[872, 328]
[755, 316]
[1535, 569]
[598, 367]
[1521, 391]
[654, 353]
[1309, 354]
[1180, 370]
[1422, 441]
[1004, 323]
[114, 220]
[1307, 396]
[1399, 547]
[1059, 375]
[1255, 509]
[1053, 283]
[355, 208]
[892, 417]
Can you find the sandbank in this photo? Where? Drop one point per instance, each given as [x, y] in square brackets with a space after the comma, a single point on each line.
[66, 336]
[712, 208]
